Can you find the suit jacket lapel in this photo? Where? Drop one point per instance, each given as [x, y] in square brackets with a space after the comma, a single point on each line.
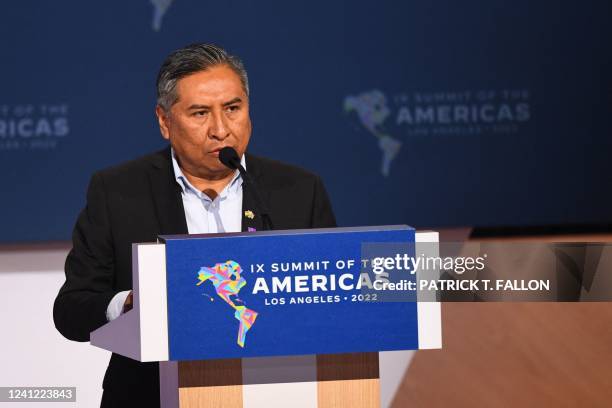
[250, 214]
[167, 195]
[250, 217]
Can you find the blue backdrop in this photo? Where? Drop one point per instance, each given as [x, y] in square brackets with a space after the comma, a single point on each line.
[430, 113]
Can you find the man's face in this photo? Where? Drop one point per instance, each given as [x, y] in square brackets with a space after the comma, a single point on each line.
[212, 112]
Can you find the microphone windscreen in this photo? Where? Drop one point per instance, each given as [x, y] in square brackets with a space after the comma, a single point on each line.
[229, 157]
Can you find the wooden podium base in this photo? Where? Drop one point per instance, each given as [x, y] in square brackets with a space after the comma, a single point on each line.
[341, 380]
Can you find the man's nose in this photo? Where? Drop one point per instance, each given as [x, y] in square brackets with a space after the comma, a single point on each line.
[218, 127]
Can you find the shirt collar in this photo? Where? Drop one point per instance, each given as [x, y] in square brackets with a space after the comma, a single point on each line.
[182, 181]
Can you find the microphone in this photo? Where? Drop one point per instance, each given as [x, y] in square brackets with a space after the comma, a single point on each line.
[230, 159]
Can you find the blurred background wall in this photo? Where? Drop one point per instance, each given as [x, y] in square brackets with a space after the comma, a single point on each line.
[491, 114]
[428, 113]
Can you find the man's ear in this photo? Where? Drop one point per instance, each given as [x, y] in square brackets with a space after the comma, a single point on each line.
[163, 119]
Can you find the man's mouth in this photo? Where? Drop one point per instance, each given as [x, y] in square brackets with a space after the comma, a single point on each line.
[215, 152]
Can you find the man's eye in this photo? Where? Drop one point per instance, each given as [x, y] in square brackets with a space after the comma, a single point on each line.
[233, 108]
[199, 113]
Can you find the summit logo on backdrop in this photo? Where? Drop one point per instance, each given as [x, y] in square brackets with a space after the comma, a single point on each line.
[393, 120]
[33, 127]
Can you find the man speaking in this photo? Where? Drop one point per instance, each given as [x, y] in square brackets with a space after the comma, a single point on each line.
[202, 108]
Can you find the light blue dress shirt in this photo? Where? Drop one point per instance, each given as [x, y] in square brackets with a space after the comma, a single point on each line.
[203, 215]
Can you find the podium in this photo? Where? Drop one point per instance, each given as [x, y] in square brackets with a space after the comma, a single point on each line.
[275, 318]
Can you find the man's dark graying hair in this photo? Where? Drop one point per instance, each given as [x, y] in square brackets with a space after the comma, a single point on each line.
[189, 60]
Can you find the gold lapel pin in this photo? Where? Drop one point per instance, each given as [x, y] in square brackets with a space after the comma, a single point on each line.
[249, 214]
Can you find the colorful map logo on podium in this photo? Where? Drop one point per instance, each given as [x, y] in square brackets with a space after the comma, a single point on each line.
[227, 280]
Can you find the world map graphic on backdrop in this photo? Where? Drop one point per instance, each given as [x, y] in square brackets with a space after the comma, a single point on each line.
[371, 108]
[160, 7]
[431, 114]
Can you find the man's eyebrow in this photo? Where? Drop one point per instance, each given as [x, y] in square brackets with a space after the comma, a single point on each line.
[233, 101]
[198, 107]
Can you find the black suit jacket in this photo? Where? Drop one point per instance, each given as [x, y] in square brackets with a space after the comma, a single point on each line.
[136, 202]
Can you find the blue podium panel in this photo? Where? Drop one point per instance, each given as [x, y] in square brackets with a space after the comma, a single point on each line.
[281, 293]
